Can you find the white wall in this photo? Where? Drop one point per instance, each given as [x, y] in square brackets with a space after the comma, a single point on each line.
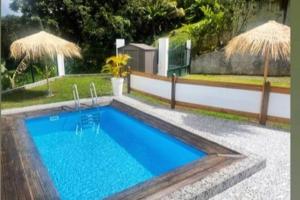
[234, 99]
[279, 105]
[156, 87]
[220, 97]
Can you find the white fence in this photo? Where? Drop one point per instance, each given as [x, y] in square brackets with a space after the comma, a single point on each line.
[241, 99]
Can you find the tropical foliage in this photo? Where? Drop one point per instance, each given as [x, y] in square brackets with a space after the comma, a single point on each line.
[220, 21]
[94, 25]
[115, 65]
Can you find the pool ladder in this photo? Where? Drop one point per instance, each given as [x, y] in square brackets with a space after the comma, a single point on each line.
[87, 120]
[76, 97]
[93, 93]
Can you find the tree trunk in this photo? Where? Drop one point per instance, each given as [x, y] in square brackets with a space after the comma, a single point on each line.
[284, 16]
[12, 80]
[12, 83]
[284, 4]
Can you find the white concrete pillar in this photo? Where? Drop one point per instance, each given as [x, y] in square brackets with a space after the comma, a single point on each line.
[60, 65]
[188, 48]
[119, 43]
[163, 56]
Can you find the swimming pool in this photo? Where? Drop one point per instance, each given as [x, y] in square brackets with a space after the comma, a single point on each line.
[97, 152]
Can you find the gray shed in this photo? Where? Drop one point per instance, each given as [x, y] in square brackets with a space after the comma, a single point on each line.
[144, 58]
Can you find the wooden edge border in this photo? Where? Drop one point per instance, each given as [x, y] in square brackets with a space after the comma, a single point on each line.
[244, 86]
[281, 90]
[153, 76]
[216, 109]
[38, 180]
[218, 158]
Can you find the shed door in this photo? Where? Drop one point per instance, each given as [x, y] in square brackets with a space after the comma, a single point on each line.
[133, 62]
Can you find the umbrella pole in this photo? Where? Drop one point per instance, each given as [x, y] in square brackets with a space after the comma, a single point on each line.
[266, 66]
[48, 84]
[265, 93]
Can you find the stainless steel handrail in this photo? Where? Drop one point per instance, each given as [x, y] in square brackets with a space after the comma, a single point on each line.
[93, 93]
[76, 96]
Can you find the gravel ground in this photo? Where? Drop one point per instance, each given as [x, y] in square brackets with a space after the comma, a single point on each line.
[273, 182]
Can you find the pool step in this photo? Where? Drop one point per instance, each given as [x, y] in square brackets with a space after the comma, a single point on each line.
[90, 120]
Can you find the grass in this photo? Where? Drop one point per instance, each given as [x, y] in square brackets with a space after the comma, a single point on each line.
[256, 80]
[61, 88]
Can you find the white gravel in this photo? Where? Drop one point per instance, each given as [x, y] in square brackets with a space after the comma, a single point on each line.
[273, 182]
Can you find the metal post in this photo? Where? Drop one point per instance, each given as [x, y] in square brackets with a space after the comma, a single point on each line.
[173, 90]
[119, 43]
[128, 80]
[163, 56]
[188, 55]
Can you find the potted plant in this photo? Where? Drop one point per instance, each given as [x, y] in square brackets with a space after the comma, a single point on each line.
[116, 66]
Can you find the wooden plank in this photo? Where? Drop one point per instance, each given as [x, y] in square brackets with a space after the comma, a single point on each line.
[32, 179]
[278, 119]
[153, 76]
[281, 90]
[13, 180]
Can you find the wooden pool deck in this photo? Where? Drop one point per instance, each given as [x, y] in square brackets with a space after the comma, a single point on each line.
[23, 175]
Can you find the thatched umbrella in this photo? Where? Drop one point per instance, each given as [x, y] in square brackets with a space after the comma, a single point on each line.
[270, 40]
[41, 45]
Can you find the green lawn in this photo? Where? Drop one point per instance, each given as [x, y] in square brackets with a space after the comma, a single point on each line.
[257, 80]
[62, 90]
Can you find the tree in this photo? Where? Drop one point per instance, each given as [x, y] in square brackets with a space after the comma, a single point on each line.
[284, 4]
[221, 20]
[13, 28]
[95, 25]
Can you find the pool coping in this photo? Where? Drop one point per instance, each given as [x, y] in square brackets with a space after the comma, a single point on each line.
[166, 186]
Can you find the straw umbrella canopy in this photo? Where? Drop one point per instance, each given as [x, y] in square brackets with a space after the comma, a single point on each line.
[41, 45]
[270, 40]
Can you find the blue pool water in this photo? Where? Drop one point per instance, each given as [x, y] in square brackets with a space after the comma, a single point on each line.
[97, 152]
